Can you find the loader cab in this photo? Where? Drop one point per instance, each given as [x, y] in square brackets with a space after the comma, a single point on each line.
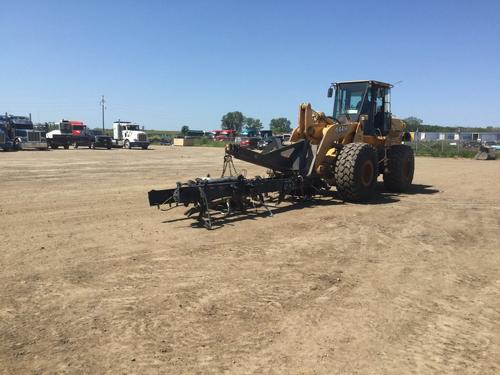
[363, 100]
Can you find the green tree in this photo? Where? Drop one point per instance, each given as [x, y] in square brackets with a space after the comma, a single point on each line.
[253, 124]
[232, 121]
[412, 123]
[280, 125]
[184, 130]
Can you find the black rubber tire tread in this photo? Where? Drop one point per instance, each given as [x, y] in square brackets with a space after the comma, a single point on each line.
[394, 179]
[348, 170]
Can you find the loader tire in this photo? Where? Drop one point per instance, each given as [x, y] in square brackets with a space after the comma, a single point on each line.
[356, 172]
[400, 168]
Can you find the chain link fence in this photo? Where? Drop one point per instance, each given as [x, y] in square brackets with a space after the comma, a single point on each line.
[464, 145]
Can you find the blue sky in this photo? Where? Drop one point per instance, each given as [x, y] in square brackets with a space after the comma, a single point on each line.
[166, 64]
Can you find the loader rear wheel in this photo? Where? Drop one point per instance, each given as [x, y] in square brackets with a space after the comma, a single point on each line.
[356, 171]
[400, 168]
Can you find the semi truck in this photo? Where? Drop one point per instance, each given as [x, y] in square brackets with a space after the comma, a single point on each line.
[19, 133]
[62, 136]
[5, 134]
[127, 135]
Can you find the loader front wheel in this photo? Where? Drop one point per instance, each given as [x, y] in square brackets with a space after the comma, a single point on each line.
[400, 168]
[356, 172]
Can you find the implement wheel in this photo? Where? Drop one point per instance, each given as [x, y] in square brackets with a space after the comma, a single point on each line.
[400, 168]
[356, 172]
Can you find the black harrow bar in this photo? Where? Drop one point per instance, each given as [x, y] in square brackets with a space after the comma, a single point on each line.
[230, 195]
[236, 194]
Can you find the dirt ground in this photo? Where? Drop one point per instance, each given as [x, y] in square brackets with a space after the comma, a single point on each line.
[93, 280]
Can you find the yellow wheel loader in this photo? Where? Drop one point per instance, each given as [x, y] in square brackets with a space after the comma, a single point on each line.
[359, 141]
[348, 150]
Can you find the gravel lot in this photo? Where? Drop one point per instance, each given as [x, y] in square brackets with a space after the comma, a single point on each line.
[95, 281]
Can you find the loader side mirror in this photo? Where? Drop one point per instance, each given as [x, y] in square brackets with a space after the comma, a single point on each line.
[330, 92]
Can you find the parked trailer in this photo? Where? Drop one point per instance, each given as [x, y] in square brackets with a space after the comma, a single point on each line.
[127, 135]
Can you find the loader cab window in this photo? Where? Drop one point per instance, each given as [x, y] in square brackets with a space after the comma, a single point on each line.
[350, 101]
[382, 110]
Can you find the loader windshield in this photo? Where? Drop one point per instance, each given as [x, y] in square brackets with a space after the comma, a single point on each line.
[350, 100]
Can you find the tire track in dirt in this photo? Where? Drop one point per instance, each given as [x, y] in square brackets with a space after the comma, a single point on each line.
[455, 339]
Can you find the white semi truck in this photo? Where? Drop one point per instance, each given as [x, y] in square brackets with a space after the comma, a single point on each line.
[127, 135]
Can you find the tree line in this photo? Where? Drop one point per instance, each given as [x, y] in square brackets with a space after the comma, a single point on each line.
[237, 121]
[414, 123]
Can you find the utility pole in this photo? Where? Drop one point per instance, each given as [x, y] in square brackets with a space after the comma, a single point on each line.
[102, 108]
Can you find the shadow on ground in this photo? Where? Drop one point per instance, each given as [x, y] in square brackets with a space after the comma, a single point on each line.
[332, 198]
